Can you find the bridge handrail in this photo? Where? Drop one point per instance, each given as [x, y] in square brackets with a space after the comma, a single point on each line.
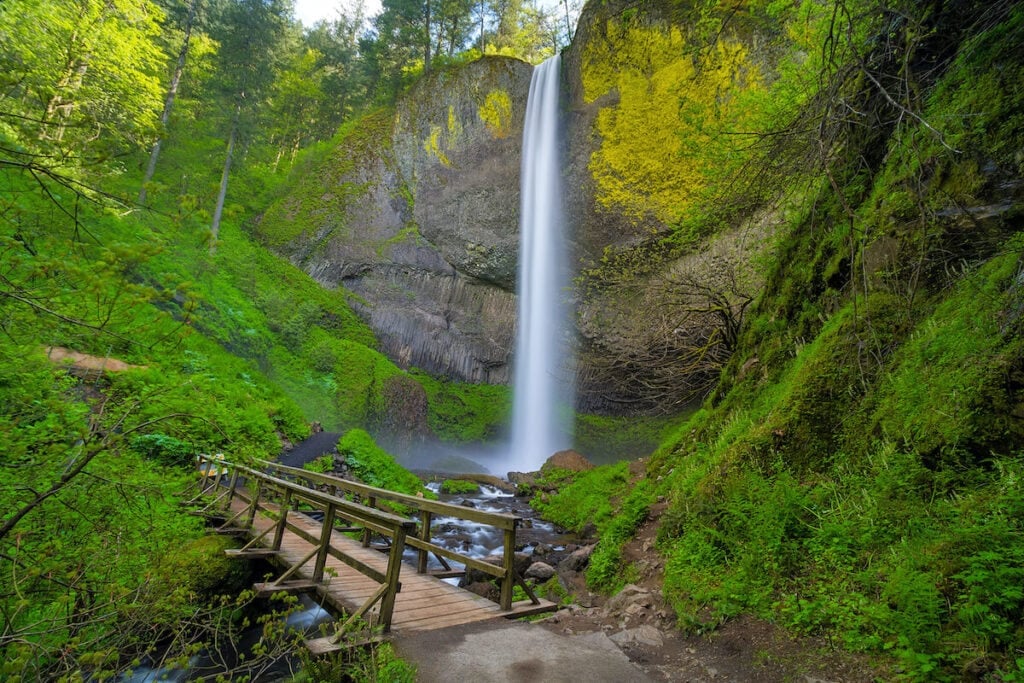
[354, 511]
[394, 526]
[508, 523]
[500, 520]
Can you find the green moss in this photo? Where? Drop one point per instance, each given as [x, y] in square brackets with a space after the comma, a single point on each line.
[435, 146]
[861, 480]
[324, 184]
[374, 466]
[588, 499]
[604, 438]
[459, 486]
[947, 396]
[462, 413]
[203, 568]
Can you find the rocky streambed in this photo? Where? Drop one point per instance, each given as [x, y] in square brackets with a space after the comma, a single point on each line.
[542, 549]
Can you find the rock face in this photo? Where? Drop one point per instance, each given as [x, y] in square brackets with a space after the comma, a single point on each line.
[457, 141]
[416, 214]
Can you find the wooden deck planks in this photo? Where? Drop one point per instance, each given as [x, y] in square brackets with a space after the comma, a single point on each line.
[424, 602]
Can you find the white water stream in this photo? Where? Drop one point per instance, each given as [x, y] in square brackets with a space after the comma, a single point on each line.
[542, 383]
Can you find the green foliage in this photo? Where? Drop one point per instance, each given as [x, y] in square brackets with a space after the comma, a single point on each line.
[606, 571]
[308, 209]
[459, 486]
[462, 412]
[607, 497]
[373, 466]
[371, 664]
[583, 497]
[201, 566]
[606, 438]
[321, 465]
[862, 482]
[163, 449]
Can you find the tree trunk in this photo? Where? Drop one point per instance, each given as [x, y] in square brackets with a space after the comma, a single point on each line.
[172, 92]
[568, 24]
[215, 225]
[483, 45]
[426, 43]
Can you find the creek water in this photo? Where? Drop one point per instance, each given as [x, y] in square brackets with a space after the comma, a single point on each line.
[306, 619]
[542, 384]
[479, 540]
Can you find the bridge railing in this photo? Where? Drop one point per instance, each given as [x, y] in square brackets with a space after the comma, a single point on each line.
[425, 510]
[274, 497]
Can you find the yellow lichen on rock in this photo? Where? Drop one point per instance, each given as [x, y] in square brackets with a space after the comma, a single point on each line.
[454, 125]
[496, 113]
[432, 145]
[665, 139]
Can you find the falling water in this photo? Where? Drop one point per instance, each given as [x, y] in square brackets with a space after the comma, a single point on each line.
[542, 383]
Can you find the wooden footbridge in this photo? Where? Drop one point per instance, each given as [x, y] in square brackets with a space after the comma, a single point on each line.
[330, 536]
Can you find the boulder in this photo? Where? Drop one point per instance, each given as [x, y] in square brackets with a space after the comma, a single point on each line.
[484, 589]
[645, 635]
[567, 460]
[520, 479]
[542, 571]
[577, 561]
[521, 563]
[630, 595]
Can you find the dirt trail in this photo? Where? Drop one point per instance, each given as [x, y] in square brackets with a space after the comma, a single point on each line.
[644, 627]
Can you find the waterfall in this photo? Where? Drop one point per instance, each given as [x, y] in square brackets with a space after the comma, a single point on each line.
[542, 383]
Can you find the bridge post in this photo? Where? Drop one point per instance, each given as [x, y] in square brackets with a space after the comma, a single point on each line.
[387, 603]
[325, 543]
[231, 488]
[509, 562]
[421, 564]
[254, 504]
[283, 521]
[367, 534]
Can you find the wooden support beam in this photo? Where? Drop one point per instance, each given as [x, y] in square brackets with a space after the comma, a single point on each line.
[387, 605]
[282, 522]
[250, 553]
[266, 589]
[330, 644]
[325, 543]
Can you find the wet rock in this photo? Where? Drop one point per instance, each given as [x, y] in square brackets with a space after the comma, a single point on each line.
[542, 571]
[528, 479]
[484, 589]
[543, 550]
[577, 561]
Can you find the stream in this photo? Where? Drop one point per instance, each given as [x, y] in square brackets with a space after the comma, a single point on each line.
[480, 541]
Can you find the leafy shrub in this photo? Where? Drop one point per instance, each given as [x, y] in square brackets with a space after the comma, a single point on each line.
[164, 449]
[374, 466]
[589, 498]
[321, 465]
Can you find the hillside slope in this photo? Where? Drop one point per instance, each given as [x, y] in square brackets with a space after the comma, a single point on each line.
[856, 472]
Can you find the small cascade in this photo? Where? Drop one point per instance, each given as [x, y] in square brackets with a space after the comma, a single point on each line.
[542, 385]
